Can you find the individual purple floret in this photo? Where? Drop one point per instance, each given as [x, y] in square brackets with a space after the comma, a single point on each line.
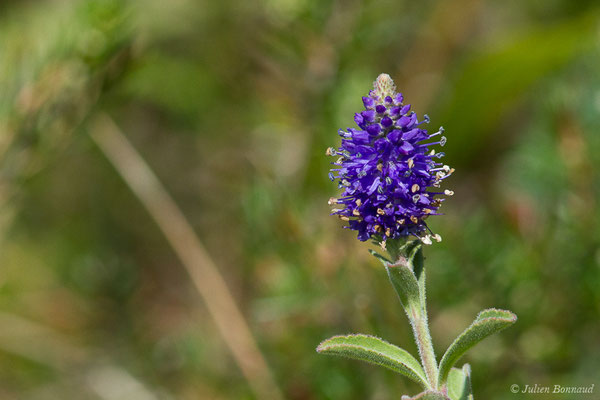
[386, 168]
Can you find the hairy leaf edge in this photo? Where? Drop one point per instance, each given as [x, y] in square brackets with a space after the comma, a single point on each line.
[418, 377]
[444, 367]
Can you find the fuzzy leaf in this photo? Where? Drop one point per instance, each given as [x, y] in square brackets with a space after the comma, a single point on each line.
[428, 395]
[459, 383]
[375, 351]
[379, 257]
[406, 273]
[405, 284]
[487, 322]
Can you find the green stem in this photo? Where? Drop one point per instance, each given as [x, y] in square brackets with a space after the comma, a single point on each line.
[423, 338]
[407, 275]
[422, 335]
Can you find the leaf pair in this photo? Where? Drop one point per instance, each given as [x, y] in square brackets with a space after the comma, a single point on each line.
[379, 352]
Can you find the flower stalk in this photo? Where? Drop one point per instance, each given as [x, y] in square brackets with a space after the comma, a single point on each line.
[389, 179]
[387, 170]
[409, 261]
[425, 344]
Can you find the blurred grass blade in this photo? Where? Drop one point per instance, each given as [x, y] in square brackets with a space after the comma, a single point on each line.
[204, 273]
[489, 85]
[459, 383]
[487, 322]
[375, 351]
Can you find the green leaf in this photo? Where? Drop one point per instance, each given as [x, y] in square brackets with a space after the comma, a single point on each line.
[405, 270]
[418, 267]
[401, 247]
[406, 286]
[428, 395]
[379, 257]
[459, 383]
[487, 322]
[375, 351]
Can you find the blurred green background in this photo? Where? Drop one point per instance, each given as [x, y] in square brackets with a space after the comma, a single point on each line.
[232, 105]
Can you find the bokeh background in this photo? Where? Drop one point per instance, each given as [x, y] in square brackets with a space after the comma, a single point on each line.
[232, 104]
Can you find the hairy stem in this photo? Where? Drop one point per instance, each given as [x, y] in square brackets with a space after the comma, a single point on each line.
[407, 275]
[423, 338]
[421, 332]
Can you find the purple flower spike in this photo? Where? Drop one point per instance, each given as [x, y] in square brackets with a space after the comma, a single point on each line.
[369, 116]
[386, 170]
[359, 119]
[374, 129]
[406, 148]
[394, 135]
[386, 122]
[402, 122]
